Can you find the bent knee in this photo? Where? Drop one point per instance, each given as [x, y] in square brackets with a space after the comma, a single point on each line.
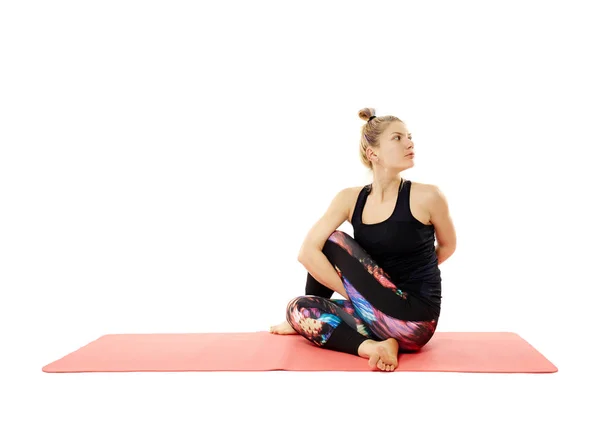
[339, 236]
[301, 301]
[344, 240]
[296, 306]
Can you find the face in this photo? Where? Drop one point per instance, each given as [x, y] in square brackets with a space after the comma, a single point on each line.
[396, 149]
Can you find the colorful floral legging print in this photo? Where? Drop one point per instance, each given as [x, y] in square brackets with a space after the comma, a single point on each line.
[377, 309]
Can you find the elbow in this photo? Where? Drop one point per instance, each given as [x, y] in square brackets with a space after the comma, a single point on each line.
[305, 254]
[449, 246]
[302, 257]
[451, 249]
[444, 252]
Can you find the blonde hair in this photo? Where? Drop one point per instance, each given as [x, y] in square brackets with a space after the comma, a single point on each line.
[371, 131]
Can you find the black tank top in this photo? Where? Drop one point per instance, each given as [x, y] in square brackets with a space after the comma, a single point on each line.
[402, 246]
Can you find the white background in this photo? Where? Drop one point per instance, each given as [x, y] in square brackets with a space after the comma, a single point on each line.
[161, 163]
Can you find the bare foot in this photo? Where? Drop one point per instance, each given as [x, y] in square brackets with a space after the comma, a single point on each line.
[383, 355]
[284, 328]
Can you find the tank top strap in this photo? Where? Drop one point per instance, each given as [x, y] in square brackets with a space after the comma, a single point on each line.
[403, 210]
[360, 205]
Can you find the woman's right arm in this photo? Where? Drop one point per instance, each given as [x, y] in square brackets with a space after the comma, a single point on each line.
[311, 252]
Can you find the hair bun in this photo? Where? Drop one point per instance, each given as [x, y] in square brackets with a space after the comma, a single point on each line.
[366, 113]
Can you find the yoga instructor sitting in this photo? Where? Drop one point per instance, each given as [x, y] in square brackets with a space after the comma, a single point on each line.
[388, 273]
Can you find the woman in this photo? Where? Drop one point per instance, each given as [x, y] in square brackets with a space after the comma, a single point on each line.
[388, 273]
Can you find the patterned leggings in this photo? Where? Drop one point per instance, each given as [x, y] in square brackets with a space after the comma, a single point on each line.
[377, 309]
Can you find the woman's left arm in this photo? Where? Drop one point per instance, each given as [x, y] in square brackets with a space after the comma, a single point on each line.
[445, 232]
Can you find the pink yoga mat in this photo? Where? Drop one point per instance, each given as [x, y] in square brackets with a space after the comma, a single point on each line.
[492, 352]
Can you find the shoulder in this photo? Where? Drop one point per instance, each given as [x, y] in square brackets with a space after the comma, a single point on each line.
[346, 199]
[430, 194]
[427, 189]
[348, 195]
[352, 190]
[348, 192]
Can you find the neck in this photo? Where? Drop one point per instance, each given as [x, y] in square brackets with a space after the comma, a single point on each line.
[385, 186]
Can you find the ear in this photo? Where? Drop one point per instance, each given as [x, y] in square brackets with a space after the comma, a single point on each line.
[371, 155]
